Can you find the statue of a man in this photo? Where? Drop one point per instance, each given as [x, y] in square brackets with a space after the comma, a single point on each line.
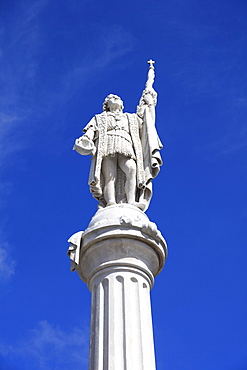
[125, 150]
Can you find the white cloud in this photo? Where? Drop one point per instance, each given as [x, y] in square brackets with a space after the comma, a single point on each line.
[20, 39]
[235, 139]
[7, 264]
[49, 347]
[23, 102]
[113, 43]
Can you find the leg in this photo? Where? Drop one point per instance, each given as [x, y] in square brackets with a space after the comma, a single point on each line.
[128, 166]
[109, 170]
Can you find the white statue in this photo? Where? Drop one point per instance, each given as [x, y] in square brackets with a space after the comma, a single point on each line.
[125, 150]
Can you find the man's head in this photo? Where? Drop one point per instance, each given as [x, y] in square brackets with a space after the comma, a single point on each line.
[113, 103]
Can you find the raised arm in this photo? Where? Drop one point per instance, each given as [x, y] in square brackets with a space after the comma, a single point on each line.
[149, 95]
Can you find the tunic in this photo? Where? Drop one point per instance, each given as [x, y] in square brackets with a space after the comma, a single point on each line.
[118, 136]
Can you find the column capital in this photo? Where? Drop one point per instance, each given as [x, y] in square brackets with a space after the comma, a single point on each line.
[121, 237]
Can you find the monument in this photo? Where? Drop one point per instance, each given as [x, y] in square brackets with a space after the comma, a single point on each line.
[121, 251]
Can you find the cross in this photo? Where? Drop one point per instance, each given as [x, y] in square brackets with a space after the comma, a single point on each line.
[151, 62]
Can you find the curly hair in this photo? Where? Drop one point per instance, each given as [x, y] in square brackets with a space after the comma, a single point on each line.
[105, 104]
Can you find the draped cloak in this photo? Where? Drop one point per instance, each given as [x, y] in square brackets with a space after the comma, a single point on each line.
[146, 144]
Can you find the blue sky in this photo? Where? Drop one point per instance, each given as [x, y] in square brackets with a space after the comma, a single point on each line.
[59, 59]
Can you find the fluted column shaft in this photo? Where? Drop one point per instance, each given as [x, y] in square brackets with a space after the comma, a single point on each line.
[121, 321]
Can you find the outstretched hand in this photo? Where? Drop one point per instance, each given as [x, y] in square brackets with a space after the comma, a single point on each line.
[84, 146]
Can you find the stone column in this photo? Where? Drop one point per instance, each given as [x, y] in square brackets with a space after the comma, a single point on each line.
[121, 253]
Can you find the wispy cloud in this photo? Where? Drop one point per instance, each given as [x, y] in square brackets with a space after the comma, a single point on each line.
[7, 264]
[229, 143]
[49, 347]
[212, 61]
[33, 88]
[113, 43]
[19, 40]
[30, 92]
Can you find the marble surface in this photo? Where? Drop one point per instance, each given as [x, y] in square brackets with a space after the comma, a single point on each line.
[125, 150]
[120, 253]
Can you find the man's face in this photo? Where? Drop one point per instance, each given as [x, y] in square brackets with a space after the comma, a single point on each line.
[115, 104]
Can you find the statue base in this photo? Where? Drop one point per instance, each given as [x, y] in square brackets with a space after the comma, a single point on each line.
[119, 255]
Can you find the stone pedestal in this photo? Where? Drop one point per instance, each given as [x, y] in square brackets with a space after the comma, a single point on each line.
[121, 252]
